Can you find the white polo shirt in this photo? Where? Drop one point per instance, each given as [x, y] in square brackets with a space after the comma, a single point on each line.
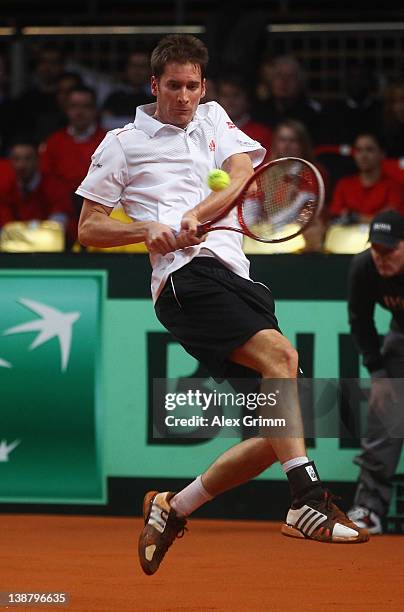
[158, 172]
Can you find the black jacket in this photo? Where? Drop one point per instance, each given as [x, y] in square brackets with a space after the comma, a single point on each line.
[366, 288]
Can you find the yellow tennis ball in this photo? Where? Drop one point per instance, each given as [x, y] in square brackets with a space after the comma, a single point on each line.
[218, 180]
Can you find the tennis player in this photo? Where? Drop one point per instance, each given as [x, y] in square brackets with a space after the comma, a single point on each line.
[203, 294]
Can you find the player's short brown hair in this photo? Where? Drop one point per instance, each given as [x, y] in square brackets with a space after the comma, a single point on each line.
[180, 48]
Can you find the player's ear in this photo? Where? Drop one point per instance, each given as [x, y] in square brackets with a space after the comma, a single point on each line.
[203, 88]
[154, 85]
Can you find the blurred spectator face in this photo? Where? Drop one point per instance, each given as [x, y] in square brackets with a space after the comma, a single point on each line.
[233, 99]
[286, 79]
[263, 88]
[388, 262]
[138, 69]
[49, 66]
[397, 104]
[266, 69]
[66, 84]
[367, 154]
[81, 110]
[286, 143]
[24, 160]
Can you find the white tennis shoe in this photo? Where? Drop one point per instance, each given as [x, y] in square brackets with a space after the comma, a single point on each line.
[366, 519]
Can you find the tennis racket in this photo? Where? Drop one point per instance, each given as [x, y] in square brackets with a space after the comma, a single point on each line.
[277, 203]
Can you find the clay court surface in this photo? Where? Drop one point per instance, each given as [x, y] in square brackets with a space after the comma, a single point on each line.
[218, 565]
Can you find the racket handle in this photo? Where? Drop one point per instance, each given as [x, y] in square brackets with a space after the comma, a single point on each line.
[201, 230]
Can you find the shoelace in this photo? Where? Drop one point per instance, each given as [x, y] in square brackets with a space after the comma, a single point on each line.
[327, 502]
[330, 497]
[337, 513]
[170, 535]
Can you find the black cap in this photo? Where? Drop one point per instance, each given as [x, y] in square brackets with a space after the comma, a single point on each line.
[387, 228]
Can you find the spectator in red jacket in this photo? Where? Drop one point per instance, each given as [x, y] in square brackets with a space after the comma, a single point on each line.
[359, 197]
[31, 194]
[6, 174]
[233, 94]
[67, 153]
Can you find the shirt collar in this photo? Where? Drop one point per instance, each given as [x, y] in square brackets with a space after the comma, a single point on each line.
[145, 121]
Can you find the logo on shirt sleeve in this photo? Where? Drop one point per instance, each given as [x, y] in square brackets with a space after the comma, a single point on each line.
[230, 125]
[247, 143]
[96, 160]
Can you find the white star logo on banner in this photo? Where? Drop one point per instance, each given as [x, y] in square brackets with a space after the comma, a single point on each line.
[53, 323]
[6, 449]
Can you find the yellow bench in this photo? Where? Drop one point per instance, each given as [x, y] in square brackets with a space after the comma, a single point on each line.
[139, 247]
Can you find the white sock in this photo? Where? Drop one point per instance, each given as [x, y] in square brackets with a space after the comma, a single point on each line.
[190, 498]
[293, 463]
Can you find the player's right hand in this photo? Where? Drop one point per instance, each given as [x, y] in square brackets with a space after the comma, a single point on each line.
[160, 238]
[187, 236]
[189, 223]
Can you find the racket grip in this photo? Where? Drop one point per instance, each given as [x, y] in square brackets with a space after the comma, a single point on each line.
[201, 230]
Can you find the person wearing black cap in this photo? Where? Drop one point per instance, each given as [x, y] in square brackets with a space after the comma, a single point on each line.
[376, 276]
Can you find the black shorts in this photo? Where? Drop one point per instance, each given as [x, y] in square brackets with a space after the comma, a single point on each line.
[211, 311]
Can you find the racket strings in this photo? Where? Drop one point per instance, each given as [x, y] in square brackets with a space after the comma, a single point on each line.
[283, 200]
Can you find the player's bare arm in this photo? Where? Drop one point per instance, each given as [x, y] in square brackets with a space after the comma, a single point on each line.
[240, 168]
[96, 228]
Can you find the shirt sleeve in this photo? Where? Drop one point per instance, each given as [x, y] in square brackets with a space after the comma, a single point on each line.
[108, 173]
[230, 140]
[361, 306]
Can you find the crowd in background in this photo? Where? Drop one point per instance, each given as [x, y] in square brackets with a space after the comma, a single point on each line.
[49, 131]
